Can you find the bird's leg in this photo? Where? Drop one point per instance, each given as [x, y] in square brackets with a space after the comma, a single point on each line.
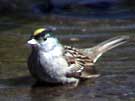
[71, 80]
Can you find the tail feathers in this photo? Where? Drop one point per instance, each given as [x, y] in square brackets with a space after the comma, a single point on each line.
[97, 51]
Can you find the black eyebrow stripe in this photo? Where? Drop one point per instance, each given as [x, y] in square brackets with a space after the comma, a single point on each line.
[42, 34]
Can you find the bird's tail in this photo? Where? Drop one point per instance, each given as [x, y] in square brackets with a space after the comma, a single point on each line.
[95, 52]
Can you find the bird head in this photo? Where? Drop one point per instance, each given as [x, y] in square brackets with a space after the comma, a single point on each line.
[42, 38]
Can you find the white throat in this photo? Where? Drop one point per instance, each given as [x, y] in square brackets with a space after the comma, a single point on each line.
[50, 44]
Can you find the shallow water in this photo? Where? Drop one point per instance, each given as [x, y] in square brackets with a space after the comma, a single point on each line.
[117, 67]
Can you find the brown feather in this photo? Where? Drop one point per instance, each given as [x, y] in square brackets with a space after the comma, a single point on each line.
[83, 64]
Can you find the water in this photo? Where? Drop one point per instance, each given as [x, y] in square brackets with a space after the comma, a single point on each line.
[116, 67]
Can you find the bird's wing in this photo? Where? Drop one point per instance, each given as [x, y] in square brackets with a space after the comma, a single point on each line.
[82, 64]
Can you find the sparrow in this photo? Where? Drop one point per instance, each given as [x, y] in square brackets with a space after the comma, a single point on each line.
[52, 62]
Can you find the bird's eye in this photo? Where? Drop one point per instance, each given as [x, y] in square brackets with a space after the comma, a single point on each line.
[44, 39]
[36, 37]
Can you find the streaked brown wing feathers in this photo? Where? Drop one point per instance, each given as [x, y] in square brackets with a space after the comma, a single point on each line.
[82, 62]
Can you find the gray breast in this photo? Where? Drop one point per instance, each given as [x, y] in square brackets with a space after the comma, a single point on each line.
[36, 69]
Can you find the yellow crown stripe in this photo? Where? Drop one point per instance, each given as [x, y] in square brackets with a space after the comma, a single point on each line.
[38, 31]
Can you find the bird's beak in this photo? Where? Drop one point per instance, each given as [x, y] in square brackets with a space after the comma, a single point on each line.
[32, 42]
